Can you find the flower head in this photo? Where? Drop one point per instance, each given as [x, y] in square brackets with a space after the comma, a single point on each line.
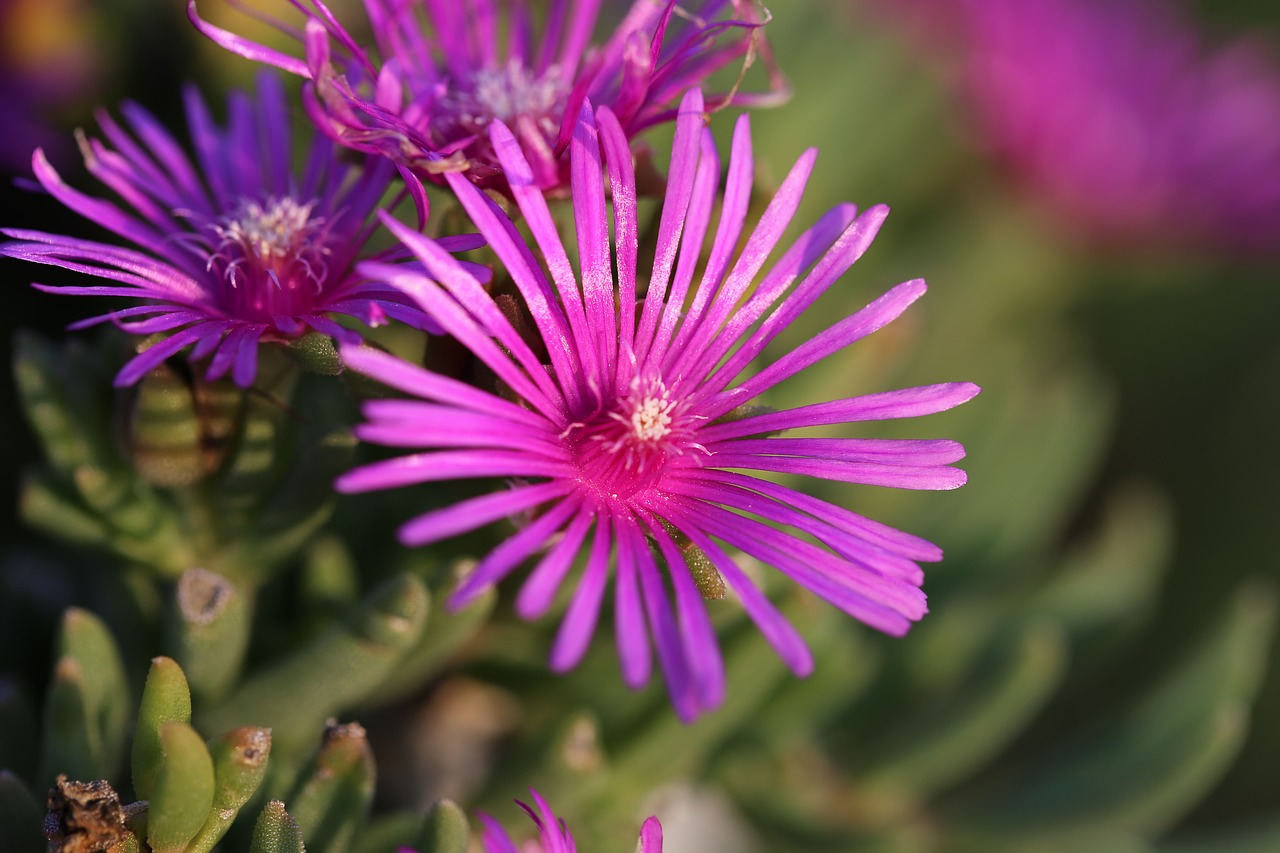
[631, 444]
[235, 248]
[443, 73]
[1125, 122]
[553, 835]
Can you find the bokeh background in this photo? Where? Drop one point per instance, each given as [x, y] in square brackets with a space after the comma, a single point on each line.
[1118, 530]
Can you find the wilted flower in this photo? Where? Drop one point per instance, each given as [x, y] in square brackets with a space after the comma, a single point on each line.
[637, 427]
[553, 835]
[238, 247]
[442, 73]
[1121, 117]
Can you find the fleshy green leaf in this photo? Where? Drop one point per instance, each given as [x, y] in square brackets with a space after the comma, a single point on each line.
[209, 624]
[239, 766]
[181, 798]
[334, 792]
[165, 698]
[334, 672]
[446, 830]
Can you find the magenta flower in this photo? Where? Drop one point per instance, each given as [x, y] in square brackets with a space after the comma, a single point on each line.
[1124, 121]
[634, 437]
[442, 73]
[237, 247]
[553, 835]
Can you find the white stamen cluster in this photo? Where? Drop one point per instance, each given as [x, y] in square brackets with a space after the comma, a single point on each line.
[270, 237]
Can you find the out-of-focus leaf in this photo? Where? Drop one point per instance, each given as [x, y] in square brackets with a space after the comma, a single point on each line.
[445, 831]
[88, 705]
[335, 789]
[1111, 576]
[332, 673]
[21, 817]
[19, 738]
[954, 737]
[1142, 771]
[388, 833]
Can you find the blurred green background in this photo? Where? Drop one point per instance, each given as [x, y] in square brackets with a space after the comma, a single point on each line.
[1118, 520]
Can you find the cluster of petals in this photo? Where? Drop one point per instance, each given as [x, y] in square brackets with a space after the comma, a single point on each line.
[440, 72]
[553, 835]
[629, 442]
[1120, 115]
[235, 247]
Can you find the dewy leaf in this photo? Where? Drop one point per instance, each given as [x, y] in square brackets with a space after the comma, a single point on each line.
[1143, 770]
[71, 743]
[165, 698]
[337, 670]
[333, 794]
[276, 831]
[182, 797]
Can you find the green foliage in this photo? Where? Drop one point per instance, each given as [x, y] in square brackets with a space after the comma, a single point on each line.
[165, 699]
[87, 707]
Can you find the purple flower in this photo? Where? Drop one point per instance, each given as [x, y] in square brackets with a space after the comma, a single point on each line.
[553, 835]
[634, 437]
[237, 247]
[443, 72]
[1120, 117]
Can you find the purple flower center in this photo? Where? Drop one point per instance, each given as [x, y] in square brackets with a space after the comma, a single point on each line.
[512, 94]
[627, 446]
[273, 256]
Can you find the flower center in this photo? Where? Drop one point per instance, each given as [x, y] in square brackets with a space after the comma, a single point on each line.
[273, 256]
[511, 94]
[626, 447]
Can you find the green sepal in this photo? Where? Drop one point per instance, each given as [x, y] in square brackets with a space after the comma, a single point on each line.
[334, 672]
[276, 831]
[208, 628]
[88, 706]
[445, 830]
[165, 698]
[332, 796]
[21, 817]
[181, 798]
[240, 760]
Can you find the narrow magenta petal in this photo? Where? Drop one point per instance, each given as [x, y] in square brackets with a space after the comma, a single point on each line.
[477, 512]
[629, 621]
[580, 620]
